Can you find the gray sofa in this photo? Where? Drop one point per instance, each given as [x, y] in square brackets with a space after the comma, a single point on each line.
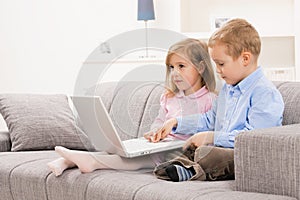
[267, 161]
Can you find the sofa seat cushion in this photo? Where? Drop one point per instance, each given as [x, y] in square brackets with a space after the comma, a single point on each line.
[24, 175]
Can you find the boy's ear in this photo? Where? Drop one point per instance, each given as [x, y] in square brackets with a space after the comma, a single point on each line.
[246, 56]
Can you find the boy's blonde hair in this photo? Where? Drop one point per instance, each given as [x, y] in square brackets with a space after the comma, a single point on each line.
[239, 36]
[196, 52]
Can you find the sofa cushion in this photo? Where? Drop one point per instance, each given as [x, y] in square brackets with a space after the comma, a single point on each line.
[5, 143]
[151, 109]
[128, 105]
[24, 175]
[290, 92]
[40, 122]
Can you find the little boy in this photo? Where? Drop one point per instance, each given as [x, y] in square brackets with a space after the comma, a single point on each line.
[247, 101]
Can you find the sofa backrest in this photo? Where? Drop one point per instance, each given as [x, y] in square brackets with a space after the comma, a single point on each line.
[290, 92]
[133, 106]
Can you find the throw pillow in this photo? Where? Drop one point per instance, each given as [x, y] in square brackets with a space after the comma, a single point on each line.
[41, 122]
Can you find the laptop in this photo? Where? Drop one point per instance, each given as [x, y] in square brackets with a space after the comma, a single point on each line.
[101, 131]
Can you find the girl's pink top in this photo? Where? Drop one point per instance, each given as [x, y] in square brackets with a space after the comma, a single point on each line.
[181, 105]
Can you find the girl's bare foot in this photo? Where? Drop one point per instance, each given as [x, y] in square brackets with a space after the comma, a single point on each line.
[59, 165]
[82, 159]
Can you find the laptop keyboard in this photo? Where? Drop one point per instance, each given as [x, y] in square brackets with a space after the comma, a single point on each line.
[141, 144]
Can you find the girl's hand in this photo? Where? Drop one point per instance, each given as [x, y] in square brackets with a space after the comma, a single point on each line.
[200, 139]
[149, 135]
[164, 131]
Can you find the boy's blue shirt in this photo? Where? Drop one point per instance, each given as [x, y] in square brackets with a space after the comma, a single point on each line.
[251, 104]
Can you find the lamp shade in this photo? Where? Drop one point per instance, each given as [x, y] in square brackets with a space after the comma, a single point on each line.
[145, 10]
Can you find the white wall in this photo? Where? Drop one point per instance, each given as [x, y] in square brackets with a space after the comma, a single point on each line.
[44, 42]
[270, 17]
[297, 39]
[277, 22]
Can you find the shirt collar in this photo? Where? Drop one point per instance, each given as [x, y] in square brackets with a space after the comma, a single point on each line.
[247, 82]
[202, 91]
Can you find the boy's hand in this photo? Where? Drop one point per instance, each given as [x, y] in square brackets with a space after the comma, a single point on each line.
[200, 139]
[164, 131]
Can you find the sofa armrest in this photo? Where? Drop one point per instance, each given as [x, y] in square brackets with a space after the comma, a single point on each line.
[5, 143]
[268, 161]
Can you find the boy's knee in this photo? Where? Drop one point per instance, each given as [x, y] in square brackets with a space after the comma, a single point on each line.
[217, 162]
[189, 152]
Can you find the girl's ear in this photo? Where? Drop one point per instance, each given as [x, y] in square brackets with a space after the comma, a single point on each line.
[201, 67]
[246, 56]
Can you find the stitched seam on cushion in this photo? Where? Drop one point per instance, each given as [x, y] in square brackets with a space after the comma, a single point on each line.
[281, 84]
[116, 91]
[9, 176]
[135, 193]
[209, 192]
[46, 180]
[146, 103]
[87, 185]
[9, 184]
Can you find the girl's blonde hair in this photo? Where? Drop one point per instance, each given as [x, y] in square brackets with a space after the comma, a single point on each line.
[239, 36]
[196, 52]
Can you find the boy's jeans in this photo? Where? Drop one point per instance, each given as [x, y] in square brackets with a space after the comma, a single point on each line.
[209, 163]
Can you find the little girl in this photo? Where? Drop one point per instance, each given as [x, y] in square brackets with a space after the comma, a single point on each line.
[190, 89]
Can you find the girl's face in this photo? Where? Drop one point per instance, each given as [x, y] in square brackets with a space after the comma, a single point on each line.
[184, 74]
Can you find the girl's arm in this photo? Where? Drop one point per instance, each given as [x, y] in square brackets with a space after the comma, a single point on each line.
[187, 125]
[164, 130]
[159, 120]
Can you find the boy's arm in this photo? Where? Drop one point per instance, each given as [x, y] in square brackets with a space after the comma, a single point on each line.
[226, 139]
[266, 110]
[200, 139]
[197, 123]
[187, 125]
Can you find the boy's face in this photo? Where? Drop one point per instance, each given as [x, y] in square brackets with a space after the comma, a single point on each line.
[232, 71]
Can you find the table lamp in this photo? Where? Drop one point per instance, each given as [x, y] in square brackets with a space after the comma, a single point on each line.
[145, 13]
